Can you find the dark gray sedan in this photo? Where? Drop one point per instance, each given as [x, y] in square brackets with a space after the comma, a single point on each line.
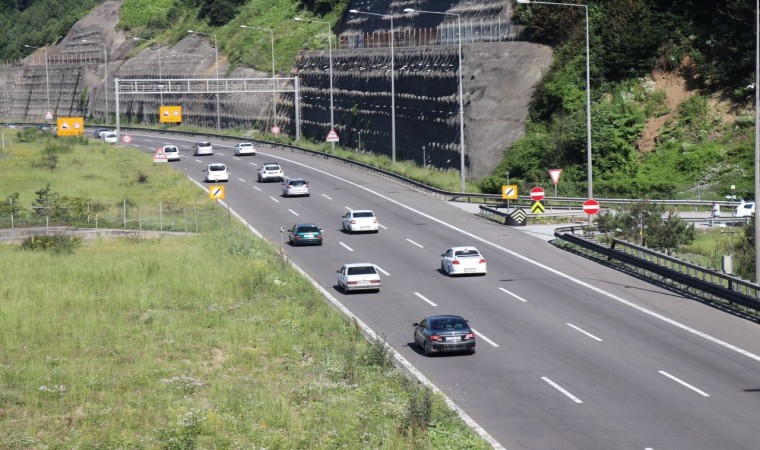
[438, 334]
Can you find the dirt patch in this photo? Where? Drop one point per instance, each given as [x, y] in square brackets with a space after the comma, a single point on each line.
[676, 92]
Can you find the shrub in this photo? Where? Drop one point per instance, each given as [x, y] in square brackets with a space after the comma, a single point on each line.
[58, 243]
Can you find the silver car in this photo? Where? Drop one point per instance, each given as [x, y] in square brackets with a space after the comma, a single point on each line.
[295, 186]
[360, 220]
[358, 277]
[203, 148]
[245, 148]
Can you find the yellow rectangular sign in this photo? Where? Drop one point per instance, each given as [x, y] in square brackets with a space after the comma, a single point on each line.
[70, 126]
[509, 192]
[171, 114]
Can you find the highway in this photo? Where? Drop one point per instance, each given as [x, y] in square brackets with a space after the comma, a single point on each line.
[571, 354]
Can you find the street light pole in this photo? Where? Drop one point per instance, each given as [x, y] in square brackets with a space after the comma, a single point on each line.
[757, 140]
[47, 76]
[588, 91]
[393, 78]
[329, 46]
[105, 70]
[216, 63]
[274, 93]
[461, 92]
[160, 74]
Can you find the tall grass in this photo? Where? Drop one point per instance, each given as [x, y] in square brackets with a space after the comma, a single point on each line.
[201, 341]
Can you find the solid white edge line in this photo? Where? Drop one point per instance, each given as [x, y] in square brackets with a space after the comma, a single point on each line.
[371, 335]
[381, 270]
[561, 389]
[513, 295]
[346, 246]
[424, 298]
[683, 383]
[583, 331]
[294, 213]
[482, 336]
[411, 241]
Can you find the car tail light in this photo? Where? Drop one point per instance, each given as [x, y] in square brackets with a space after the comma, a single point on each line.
[352, 282]
[435, 337]
[470, 336]
[375, 281]
[374, 220]
[353, 221]
[482, 261]
[307, 185]
[456, 261]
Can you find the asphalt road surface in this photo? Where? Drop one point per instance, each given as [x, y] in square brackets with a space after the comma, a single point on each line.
[571, 354]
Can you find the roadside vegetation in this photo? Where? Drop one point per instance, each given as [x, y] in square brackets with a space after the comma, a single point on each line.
[145, 343]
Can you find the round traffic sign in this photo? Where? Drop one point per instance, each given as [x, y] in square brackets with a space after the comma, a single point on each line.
[275, 130]
[126, 139]
[591, 206]
[537, 194]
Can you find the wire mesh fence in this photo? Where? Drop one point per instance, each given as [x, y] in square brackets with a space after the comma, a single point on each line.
[161, 216]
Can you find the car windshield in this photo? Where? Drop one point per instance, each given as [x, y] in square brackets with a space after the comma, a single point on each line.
[467, 253]
[449, 323]
[308, 229]
[364, 214]
[362, 270]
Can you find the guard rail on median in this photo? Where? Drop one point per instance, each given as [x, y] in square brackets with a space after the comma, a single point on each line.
[705, 283]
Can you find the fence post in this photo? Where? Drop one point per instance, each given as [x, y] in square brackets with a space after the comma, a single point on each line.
[195, 212]
[160, 216]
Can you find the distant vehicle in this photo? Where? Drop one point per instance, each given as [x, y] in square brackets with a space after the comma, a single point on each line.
[98, 133]
[463, 261]
[244, 148]
[43, 127]
[295, 186]
[216, 172]
[203, 148]
[445, 333]
[358, 277]
[360, 220]
[270, 171]
[171, 152]
[305, 233]
[745, 209]
[110, 137]
[10, 125]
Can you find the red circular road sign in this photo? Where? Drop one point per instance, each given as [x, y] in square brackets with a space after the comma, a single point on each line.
[126, 139]
[591, 206]
[537, 194]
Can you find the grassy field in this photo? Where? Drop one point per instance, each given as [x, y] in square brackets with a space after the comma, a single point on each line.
[185, 342]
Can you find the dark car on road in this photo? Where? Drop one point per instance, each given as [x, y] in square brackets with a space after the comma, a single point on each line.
[446, 333]
[305, 233]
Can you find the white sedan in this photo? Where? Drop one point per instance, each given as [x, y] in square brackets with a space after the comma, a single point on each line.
[463, 261]
[358, 277]
[360, 220]
[245, 148]
[216, 172]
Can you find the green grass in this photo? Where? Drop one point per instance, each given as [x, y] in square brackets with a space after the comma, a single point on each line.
[186, 342]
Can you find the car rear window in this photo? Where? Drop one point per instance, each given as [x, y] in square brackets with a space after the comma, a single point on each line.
[364, 214]
[217, 167]
[308, 229]
[362, 270]
[466, 253]
[170, 149]
[272, 167]
[448, 324]
[297, 183]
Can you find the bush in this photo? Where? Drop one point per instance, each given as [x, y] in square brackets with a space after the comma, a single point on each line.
[58, 243]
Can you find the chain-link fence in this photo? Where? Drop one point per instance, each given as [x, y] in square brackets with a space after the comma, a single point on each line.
[161, 216]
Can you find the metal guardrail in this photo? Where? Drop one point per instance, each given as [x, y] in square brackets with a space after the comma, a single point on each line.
[687, 276]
